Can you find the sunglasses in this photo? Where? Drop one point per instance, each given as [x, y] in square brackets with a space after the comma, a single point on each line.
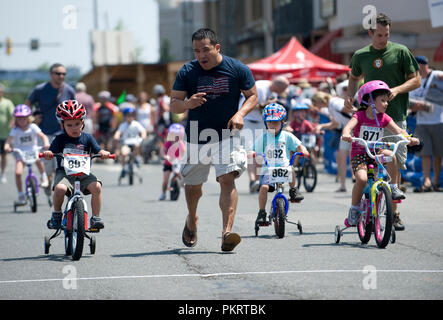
[60, 73]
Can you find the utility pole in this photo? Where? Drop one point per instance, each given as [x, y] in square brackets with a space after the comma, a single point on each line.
[268, 27]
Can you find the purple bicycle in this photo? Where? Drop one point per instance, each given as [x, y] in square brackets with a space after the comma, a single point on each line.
[29, 157]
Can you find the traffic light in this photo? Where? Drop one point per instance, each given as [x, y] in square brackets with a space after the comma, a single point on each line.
[8, 46]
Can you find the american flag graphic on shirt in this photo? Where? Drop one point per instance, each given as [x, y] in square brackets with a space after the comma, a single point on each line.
[213, 86]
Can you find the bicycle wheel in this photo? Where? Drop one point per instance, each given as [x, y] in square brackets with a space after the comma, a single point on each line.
[309, 177]
[77, 235]
[32, 195]
[280, 217]
[175, 190]
[131, 170]
[384, 218]
[364, 228]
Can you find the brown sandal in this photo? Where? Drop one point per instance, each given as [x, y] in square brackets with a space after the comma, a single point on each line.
[189, 237]
[230, 241]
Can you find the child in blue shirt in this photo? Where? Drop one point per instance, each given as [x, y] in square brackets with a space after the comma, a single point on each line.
[278, 146]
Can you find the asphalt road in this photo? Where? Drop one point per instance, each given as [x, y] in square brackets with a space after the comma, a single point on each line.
[140, 254]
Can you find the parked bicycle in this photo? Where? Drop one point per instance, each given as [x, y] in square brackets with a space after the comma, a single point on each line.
[75, 216]
[376, 211]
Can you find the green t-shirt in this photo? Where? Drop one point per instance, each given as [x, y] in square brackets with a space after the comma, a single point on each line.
[390, 65]
[6, 112]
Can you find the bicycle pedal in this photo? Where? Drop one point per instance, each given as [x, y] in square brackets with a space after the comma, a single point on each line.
[396, 201]
[93, 230]
[263, 224]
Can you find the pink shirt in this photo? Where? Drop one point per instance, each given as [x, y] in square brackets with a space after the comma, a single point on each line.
[175, 150]
[367, 129]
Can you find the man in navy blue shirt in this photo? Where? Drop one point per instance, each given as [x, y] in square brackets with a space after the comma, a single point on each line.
[46, 97]
[209, 89]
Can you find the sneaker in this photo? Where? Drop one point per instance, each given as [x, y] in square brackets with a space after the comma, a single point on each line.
[162, 197]
[56, 221]
[96, 223]
[398, 224]
[261, 217]
[44, 183]
[353, 215]
[397, 194]
[3, 179]
[295, 195]
[254, 186]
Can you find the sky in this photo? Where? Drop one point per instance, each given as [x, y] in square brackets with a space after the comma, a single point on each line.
[63, 28]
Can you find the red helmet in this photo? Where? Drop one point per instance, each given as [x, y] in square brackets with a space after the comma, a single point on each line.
[70, 110]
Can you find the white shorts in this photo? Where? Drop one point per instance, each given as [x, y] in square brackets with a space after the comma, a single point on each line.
[226, 156]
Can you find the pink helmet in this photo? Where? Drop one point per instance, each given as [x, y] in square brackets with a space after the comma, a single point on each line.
[370, 87]
[22, 110]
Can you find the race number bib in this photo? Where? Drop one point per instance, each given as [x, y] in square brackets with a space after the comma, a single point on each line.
[370, 133]
[276, 154]
[77, 163]
[280, 174]
[30, 156]
[308, 140]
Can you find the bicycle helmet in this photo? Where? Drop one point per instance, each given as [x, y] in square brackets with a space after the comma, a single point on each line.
[70, 110]
[274, 112]
[368, 89]
[128, 110]
[22, 110]
[176, 129]
[299, 106]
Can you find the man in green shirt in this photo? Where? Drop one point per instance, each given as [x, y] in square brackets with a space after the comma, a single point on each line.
[6, 112]
[394, 64]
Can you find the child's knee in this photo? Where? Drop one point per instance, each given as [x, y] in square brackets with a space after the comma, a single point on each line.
[60, 189]
[95, 188]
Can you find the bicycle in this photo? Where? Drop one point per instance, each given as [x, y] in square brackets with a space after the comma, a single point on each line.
[376, 211]
[305, 168]
[75, 217]
[280, 204]
[29, 157]
[176, 180]
[129, 169]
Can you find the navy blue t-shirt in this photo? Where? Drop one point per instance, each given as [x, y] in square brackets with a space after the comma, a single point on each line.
[85, 144]
[46, 98]
[222, 85]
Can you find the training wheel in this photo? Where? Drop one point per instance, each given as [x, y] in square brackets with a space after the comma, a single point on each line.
[299, 227]
[337, 234]
[47, 244]
[393, 237]
[92, 243]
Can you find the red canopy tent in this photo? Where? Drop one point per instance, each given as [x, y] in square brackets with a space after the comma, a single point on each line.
[295, 62]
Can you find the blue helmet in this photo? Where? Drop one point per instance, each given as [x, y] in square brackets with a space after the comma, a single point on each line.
[274, 112]
[128, 110]
[299, 106]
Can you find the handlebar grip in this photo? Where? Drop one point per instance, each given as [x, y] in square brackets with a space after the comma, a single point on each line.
[112, 156]
[41, 155]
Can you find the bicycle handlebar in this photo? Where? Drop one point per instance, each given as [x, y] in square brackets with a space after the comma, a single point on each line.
[290, 162]
[381, 145]
[61, 155]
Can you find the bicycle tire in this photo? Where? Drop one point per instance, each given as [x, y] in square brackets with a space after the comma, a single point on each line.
[383, 232]
[32, 195]
[131, 171]
[280, 217]
[309, 177]
[78, 229]
[175, 190]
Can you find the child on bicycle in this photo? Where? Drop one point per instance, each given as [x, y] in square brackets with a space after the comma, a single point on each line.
[24, 136]
[73, 140]
[368, 123]
[278, 146]
[173, 148]
[130, 133]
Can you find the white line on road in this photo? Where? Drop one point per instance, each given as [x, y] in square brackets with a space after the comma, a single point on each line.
[209, 275]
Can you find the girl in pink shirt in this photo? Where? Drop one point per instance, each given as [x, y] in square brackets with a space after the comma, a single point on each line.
[368, 123]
